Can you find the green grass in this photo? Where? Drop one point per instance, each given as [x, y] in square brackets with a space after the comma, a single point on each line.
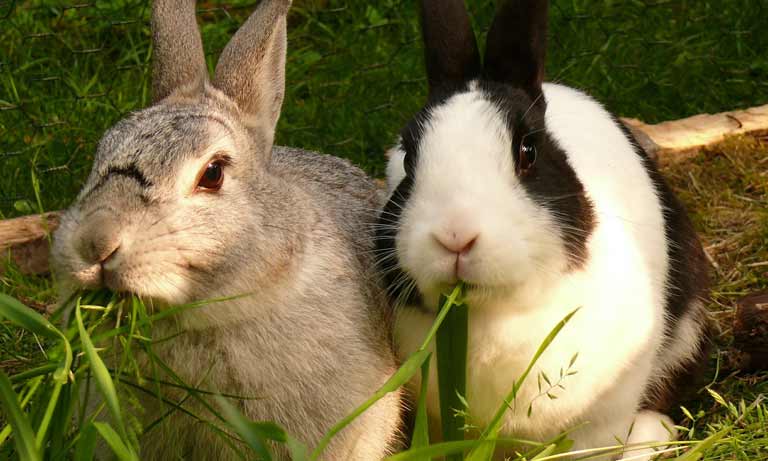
[84, 390]
[354, 72]
[69, 70]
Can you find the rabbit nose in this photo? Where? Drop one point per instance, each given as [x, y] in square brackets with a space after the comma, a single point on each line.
[100, 240]
[455, 242]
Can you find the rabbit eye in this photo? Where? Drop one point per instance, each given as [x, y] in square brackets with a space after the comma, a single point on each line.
[212, 177]
[527, 157]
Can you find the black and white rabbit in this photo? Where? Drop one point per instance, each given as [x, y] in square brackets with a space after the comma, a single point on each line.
[541, 202]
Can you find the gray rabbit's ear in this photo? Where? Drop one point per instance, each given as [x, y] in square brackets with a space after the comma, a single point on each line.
[251, 69]
[179, 62]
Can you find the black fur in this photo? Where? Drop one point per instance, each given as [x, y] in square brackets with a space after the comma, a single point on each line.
[682, 383]
[551, 181]
[129, 171]
[517, 43]
[450, 49]
[396, 280]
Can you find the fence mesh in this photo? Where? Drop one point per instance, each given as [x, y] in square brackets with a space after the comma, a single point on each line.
[70, 69]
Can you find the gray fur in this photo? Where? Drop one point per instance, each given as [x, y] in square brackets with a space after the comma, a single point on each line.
[251, 67]
[177, 48]
[289, 233]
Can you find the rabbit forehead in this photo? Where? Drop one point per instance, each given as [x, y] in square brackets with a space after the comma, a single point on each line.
[160, 140]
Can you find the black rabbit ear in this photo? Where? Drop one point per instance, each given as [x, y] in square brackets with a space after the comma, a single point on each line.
[517, 43]
[450, 49]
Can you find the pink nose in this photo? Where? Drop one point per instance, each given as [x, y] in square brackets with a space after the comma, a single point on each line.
[456, 242]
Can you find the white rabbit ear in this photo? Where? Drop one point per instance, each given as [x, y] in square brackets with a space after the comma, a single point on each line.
[178, 59]
[516, 45]
[450, 49]
[251, 69]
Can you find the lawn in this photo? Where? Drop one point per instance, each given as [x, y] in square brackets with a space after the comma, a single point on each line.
[69, 70]
[354, 73]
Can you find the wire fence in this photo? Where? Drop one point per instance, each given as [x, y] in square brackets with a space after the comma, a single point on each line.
[70, 69]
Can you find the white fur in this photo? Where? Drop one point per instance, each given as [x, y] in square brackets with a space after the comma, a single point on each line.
[395, 168]
[465, 183]
[649, 427]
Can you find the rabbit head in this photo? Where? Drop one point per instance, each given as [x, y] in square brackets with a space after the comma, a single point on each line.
[177, 202]
[480, 190]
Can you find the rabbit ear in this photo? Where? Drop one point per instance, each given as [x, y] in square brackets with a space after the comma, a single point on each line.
[178, 50]
[450, 48]
[251, 69]
[516, 45]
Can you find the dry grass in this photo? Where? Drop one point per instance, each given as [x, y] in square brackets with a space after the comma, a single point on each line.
[726, 191]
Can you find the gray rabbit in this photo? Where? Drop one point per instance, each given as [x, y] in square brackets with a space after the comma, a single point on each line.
[188, 200]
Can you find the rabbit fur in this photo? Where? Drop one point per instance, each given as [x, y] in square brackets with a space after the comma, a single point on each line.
[287, 237]
[542, 203]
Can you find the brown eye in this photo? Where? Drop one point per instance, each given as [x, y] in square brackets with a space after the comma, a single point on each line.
[527, 157]
[212, 177]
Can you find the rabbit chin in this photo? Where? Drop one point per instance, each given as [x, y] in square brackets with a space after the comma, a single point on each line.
[514, 279]
[160, 288]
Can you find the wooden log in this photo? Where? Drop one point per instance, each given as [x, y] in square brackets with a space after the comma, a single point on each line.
[680, 139]
[25, 241]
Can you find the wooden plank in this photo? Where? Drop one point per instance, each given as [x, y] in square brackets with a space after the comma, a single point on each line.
[26, 229]
[679, 139]
[26, 241]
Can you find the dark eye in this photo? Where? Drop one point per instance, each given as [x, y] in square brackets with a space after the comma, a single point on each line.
[527, 156]
[212, 177]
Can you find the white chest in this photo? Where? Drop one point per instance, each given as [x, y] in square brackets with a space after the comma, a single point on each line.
[614, 339]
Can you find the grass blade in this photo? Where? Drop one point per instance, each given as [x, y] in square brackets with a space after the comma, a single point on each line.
[104, 382]
[398, 379]
[245, 429]
[698, 450]
[458, 446]
[27, 318]
[23, 316]
[22, 432]
[32, 387]
[485, 452]
[272, 431]
[256, 434]
[451, 301]
[420, 437]
[548, 450]
[451, 345]
[52, 403]
[114, 441]
[401, 376]
[86, 445]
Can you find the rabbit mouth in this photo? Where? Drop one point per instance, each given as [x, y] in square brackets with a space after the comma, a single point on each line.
[159, 288]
